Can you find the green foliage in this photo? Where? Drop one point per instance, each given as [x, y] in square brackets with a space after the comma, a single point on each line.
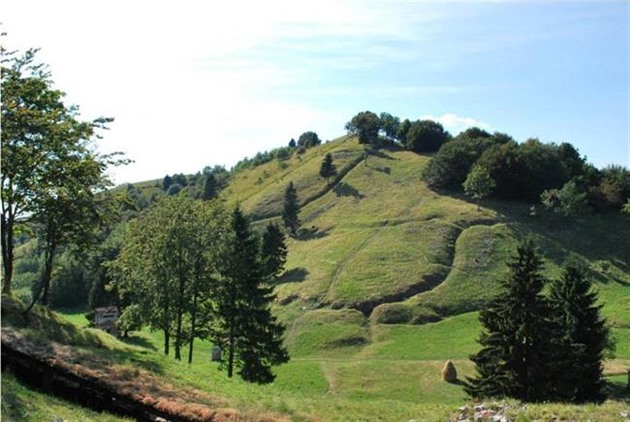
[167, 182]
[327, 169]
[274, 251]
[478, 183]
[403, 129]
[517, 339]
[425, 136]
[210, 187]
[174, 189]
[281, 153]
[537, 348]
[583, 337]
[50, 170]
[291, 209]
[48, 163]
[614, 186]
[524, 171]
[449, 167]
[245, 327]
[69, 287]
[308, 139]
[390, 125]
[366, 125]
[168, 266]
[568, 201]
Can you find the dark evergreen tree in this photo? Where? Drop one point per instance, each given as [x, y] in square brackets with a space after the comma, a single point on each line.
[389, 125]
[291, 210]
[274, 251]
[327, 169]
[292, 143]
[167, 182]
[514, 360]
[583, 337]
[210, 187]
[252, 333]
[403, 129]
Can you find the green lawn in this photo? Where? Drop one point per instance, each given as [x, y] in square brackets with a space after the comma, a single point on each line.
[393, 373]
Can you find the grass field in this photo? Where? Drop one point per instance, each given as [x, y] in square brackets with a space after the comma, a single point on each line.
[355, 371]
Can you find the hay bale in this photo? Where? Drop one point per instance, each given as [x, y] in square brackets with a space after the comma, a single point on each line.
[449, 373]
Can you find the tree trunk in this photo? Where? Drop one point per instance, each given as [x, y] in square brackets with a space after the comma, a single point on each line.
[50, 253]
[180, 308]
[7, 253]
[45, 280]
[167, 341]
[193, 322]
[231, 345]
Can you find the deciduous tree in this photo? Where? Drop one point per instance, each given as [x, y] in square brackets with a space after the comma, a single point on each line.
[51, 173]
[366, 125]
[308, 139]
[478, 184]
[425, 136]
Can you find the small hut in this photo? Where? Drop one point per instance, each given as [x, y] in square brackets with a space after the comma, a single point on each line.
[105, 319]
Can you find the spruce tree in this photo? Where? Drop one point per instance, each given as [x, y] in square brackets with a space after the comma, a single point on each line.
[274, 251]
[291, 210]
[210, 188]
[252, 333]
[327, 169]
[583, 337]
[514, 358]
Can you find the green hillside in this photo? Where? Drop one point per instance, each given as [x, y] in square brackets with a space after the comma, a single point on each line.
[383, 285]
[380, 241]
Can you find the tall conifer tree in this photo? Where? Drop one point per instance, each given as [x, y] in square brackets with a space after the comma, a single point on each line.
[252, 333]
[514, 358]
[583, 337]
[291, 210]
[327, 169]
[274, 251]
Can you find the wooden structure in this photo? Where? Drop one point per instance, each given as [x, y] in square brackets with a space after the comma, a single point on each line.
[105, 319]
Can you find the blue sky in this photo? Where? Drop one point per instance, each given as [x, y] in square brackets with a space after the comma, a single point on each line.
[192, 84]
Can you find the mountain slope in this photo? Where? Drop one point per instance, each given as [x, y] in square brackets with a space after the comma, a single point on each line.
[380, 241]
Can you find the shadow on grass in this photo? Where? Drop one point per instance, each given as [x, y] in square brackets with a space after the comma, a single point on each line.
[599, 237]
[312, 233]
[459, 382]
[344, 189]
[294, 275]
[139, 341]
[618, 391]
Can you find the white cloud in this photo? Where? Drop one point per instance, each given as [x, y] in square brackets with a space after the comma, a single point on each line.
[456, 124]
